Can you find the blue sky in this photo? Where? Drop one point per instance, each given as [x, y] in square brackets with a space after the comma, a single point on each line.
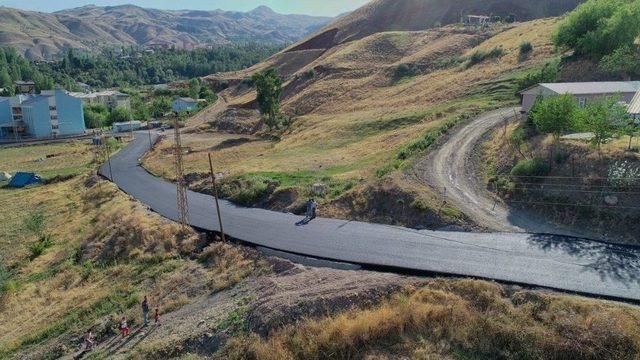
[311, 7]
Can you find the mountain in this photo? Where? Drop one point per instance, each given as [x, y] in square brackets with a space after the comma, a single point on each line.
[43, 35]
[411, 15]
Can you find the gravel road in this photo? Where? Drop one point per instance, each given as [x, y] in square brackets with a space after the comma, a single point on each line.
[452, 169]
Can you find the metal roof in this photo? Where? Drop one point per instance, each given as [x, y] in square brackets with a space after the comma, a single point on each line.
[591, 88]
[634, 106]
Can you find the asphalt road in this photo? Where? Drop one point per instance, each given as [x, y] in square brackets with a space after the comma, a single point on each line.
[555, 262]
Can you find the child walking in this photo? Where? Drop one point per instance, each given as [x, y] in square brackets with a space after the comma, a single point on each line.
[124, 329]
[156, 317]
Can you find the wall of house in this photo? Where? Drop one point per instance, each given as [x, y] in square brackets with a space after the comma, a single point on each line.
[70, 114]
[5, 111]
[36, 116]
[529, 97]
[179, 106]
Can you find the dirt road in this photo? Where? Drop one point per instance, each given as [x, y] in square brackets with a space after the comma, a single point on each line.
[453, 170]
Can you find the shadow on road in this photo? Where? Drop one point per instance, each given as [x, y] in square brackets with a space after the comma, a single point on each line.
[612, 262]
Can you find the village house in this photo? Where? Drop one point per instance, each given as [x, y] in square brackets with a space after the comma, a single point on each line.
[184, 104]
[584, 92]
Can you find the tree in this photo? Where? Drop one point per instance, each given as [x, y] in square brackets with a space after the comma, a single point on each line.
[160, 106]
[194, 88]
[554, 115]
[269, 86]
[602, 117]
[94, 116]
[5, 81]
[119, 114]
[624, 62]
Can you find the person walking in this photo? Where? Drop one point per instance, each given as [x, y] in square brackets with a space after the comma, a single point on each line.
[309, 213]
[313, 208]
[124, 329]
[145, 311]
[89, 339]
[156, 317]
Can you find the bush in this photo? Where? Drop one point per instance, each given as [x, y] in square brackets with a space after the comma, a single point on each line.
[623, 174]
[247, 190]
[555, 114]
[525, 50]
[535, 167]
[37, 249]
[405, 70]
[480, 55]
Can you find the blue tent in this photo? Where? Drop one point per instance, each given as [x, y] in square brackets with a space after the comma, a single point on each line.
[23, 179]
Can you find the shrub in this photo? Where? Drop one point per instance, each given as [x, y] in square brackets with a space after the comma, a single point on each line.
[405, 70]
[37, 249]
[480, 55]
[623, 174]
[535, 167]
[247, 190]
[555, 114]
[525, 50]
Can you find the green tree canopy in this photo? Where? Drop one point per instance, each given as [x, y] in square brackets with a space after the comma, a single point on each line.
[119, 114]
[555, 114]
[95, 116]
[602, 118]
[160, 106]
[269, 86]
[194, 88]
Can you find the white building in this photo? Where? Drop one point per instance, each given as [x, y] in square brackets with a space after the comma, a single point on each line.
[126, 126]
[111, 99]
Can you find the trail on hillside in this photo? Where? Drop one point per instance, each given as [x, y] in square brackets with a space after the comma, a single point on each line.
[453, 170]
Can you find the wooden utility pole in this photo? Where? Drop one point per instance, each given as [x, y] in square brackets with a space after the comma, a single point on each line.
[215, 195]
[183, 203]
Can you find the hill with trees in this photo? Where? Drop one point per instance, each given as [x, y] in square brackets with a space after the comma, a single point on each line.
[39, 35]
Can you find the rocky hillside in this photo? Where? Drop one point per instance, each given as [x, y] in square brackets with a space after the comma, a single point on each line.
[43, 35]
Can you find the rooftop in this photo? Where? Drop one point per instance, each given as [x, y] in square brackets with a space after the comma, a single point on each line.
[81, 95]
[187, 99]
[595, 87]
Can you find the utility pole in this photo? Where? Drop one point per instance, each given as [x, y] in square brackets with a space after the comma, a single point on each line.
[215, 195]
[149, 132]
[183, 204]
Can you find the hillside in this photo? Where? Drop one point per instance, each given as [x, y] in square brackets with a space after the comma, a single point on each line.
[43, 35]
[362, 111]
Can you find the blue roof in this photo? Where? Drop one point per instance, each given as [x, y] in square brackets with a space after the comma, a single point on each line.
[22, 179]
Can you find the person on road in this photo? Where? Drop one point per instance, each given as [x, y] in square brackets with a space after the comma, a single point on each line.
[310, 214]
[145, 311]
[124, 329]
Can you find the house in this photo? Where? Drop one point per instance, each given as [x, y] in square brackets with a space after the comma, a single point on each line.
[111, 99]
[582, 91]
[634, 106]
[477, 20]
[184, 104]
[52, 113]
[126, 126]
[25, 87]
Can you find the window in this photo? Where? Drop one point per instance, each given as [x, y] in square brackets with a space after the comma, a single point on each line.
[582, 102]
[54, 117]
[53, 108]
[55, 127]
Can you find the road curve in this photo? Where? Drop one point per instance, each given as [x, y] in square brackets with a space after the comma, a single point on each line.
[555, 262]
[452, 167]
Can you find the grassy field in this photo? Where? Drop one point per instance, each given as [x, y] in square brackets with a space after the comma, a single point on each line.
[79, 253]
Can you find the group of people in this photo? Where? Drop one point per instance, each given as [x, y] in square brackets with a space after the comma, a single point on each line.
[123, 327]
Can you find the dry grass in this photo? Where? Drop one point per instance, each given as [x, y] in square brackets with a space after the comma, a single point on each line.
[108, 251]
[459, 319]
[48, 160]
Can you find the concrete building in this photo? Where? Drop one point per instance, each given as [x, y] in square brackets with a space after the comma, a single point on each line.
[582, 91]
[111, 99]
[126, 126]
[184, 104]
[52, 113]
[477, 20]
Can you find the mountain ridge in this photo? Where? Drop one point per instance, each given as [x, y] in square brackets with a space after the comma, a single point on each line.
[40, 35]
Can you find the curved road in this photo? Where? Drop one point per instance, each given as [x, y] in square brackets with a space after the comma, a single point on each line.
[452, 167]
[540, 260]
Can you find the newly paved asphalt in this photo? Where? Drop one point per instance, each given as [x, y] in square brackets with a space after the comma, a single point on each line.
[555, 262]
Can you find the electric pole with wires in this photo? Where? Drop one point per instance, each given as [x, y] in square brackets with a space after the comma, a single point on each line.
[183, 204]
